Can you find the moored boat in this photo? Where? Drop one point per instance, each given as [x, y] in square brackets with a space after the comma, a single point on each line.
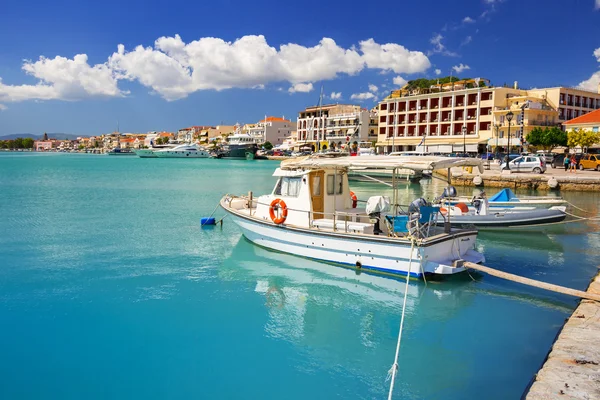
[182, 151]
[120, 151]
[482, 216]
[311, 213]
[506, 199]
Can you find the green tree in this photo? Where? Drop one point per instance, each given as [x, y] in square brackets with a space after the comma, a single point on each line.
[583, 138]
[268, 145]
[535, 137]
[18, 143]
[28, 143]
[554, 136]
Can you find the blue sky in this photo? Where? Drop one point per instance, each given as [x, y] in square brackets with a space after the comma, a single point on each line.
[267, 57]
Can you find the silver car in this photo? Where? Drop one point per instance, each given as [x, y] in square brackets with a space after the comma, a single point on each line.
[528, 163]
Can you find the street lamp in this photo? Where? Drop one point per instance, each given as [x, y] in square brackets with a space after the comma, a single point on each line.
[509, 117]
[464, 131]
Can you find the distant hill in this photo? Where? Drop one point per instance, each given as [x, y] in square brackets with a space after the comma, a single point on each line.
[60, 136]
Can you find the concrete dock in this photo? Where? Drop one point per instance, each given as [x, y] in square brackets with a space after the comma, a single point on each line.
[572, 370]
[553, 178]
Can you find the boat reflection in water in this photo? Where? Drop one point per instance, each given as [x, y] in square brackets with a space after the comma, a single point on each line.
[348, 320]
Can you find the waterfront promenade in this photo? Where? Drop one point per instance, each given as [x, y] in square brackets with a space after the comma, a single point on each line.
[586, 180]
[572, 370]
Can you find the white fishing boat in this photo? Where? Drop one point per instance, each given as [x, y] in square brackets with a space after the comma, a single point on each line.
[312, 212]
[182, 151]
[506, 199]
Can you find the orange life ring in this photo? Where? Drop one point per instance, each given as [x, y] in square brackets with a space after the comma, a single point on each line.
[354, 199]
[443, 211]
[462, 207]
[284, 211]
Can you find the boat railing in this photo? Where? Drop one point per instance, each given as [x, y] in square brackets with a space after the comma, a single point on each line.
[418, 224]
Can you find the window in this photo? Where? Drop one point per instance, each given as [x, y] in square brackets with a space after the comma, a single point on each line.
[316, 183]
[334, 182]
[288, 186]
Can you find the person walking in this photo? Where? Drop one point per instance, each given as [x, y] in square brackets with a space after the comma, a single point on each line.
[567, 162]
[573, 164]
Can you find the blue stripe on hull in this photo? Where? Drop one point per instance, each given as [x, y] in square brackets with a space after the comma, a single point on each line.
[367, 268]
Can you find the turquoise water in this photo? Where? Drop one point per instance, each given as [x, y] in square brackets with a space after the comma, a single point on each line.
[110, 289]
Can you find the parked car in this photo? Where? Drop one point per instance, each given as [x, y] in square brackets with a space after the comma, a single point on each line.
[590, 161]
[527, 164]
[548, 156]
[558, 160]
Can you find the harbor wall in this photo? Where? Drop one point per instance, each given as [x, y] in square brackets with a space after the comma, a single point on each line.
[572, 369]
[526, 181]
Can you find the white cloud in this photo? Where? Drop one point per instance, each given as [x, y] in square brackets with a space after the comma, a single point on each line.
[335, 95]
[399, 81]
[438, 46]
[592, 83]
[2, 107]
[393, 57]
[373, 88]
[362, 96]
[460, 68]
[438, 71]
[468, 20]
[174, 69]
[301, 88]
[597, 7]
[61, 78]
[466, 41]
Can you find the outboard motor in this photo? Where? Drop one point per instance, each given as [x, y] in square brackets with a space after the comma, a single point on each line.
[376, 205]
[449, 191]
[416, 205]
[479, 201]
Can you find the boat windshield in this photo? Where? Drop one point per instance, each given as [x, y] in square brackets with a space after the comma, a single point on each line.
[288, 186]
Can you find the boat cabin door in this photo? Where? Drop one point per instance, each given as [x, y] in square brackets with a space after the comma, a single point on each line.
[317, 186]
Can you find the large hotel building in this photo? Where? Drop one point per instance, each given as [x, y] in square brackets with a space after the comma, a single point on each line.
[471, 114]
[335, 125]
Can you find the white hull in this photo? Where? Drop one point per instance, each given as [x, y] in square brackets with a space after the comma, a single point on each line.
[145, 153]
[181, 154]
[368, 252]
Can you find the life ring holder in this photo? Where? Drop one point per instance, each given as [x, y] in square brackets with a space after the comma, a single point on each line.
[354, 199]
[284, 211]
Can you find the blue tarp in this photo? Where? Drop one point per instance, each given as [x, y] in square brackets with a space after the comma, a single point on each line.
[504, 195]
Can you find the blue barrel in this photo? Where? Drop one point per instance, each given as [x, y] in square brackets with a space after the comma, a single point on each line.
[207, 221]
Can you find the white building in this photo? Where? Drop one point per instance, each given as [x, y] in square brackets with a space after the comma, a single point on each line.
[334, 126]
[271, 129]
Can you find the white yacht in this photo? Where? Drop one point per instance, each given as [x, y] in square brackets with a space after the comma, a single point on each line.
[182, 151]
[311, 212]
[149, 152]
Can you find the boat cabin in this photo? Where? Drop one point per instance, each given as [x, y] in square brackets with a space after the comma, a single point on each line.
[314, 198]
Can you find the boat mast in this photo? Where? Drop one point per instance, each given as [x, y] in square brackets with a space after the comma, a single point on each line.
[321, 122]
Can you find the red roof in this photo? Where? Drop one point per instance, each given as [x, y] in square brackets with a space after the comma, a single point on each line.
[274, 119]
[589, 118]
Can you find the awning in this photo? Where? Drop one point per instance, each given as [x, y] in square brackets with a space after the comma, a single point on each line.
[419, 163]
[504, 142]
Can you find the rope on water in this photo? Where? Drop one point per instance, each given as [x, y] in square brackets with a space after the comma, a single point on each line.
[394, 369]
[579, 208]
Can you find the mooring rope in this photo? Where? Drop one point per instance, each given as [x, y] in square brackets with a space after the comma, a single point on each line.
[579, 208]
[211, 214]
[394, 369]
